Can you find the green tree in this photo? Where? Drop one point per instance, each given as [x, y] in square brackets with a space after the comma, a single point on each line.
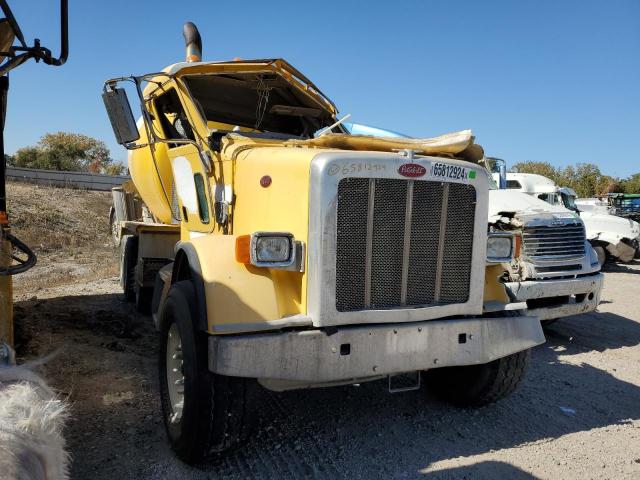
[631, 184]
[66, 151]
[114, 169]
[585, 178]
[27, 157]
[541, 168]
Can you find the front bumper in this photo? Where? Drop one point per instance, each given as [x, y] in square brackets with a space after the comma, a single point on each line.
[358, 352]
[566, 297]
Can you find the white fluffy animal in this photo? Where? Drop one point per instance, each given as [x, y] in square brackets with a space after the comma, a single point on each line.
[31, 421]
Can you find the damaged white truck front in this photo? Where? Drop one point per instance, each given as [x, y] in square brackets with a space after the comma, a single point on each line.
[555, 272]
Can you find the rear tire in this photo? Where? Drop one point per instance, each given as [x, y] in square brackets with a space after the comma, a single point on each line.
[128, 266]
[215, 413]
[477, 385]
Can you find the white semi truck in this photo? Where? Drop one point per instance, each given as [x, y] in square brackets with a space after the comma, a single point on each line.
[612, 237]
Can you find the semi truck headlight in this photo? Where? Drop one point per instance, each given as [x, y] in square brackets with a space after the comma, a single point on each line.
[500, 247]
[270, 250]
[273, 248]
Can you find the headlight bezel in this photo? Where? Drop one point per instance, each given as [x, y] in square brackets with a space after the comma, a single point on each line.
[247, 251]
[502, 236]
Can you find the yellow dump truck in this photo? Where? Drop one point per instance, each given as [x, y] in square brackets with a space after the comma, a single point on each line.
[282, 251]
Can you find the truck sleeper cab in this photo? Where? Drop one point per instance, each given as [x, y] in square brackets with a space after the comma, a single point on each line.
[302, 259]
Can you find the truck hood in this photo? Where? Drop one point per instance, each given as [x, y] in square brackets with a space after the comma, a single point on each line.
[515, 208]
[513, 202]
[603, 223]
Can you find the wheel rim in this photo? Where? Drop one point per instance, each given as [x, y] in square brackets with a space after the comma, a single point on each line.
[175, 373]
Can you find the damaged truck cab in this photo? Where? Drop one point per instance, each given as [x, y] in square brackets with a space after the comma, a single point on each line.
[287, 253]
[555, 272]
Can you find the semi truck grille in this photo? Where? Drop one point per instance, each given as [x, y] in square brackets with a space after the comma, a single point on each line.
[403, 243]
[556, 242]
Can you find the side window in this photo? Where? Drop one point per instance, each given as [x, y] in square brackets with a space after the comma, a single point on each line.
[203, 207]
[172, 118]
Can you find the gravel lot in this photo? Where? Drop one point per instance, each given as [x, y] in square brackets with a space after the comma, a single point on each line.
[577, 414]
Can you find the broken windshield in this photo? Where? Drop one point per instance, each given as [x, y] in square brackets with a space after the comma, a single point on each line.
[257, 102]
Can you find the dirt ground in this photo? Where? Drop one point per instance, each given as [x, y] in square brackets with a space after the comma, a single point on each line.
[576, 415]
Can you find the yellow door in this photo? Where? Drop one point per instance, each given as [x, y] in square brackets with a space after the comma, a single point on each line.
[190, 183]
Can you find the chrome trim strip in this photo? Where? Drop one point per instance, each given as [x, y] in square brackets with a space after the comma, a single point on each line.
[443, 228]
[369, 243]
[408, 211]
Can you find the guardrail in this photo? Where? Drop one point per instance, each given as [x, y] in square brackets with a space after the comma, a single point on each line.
[55, 178]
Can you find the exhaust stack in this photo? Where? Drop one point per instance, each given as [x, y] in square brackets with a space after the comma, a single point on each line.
[193, 42]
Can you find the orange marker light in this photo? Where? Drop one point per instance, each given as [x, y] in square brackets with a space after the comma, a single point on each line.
[243, 249]
[516, 250]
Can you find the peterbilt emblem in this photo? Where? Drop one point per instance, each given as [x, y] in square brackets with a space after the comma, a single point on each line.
[412, 170]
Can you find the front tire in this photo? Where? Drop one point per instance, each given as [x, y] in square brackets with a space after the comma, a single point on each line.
[205, 414]
[477, 385]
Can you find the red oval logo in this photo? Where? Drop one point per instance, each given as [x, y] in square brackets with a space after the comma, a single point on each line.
[412, 170]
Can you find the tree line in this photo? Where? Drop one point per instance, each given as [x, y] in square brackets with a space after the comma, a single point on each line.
[69, 152]
[585, 178]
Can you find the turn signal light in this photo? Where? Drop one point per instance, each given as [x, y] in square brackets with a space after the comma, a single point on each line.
[517, 246]
[243, 249]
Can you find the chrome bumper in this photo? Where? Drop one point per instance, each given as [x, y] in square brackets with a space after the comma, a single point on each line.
[583, 295]
[319, 356]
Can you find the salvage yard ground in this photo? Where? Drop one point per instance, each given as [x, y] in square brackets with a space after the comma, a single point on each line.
[576, 416]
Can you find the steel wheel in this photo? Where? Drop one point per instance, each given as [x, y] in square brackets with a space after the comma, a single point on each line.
[175, 373]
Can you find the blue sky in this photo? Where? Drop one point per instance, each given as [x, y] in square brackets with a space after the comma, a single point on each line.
[553, 81]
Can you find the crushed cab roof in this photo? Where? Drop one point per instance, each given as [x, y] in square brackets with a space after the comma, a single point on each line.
[275, 65]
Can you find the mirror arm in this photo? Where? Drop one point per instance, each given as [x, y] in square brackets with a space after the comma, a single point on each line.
[64, 37]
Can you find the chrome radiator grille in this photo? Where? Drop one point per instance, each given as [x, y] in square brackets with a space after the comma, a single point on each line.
[403, 243]
[554, 242]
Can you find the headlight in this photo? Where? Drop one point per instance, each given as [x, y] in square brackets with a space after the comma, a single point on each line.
[270, 250]
[273, 248]
[500, 247]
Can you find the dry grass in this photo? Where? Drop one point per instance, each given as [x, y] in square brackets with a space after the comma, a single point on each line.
[67, 229]
[52, 219]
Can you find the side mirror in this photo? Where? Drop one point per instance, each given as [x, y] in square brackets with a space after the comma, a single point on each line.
[120, 115]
